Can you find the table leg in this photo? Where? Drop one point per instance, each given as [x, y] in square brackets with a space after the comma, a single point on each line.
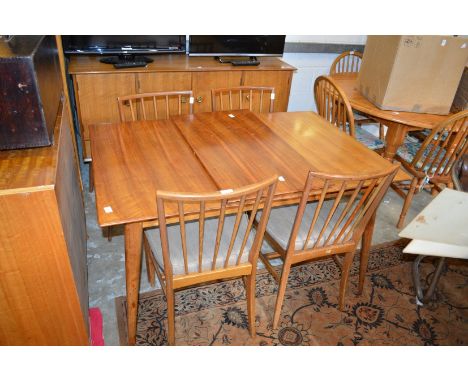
[365, 247]
[394, 138]
[133, 244]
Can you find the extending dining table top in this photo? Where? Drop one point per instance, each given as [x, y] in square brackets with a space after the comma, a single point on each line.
[206, 152]
[348, 82]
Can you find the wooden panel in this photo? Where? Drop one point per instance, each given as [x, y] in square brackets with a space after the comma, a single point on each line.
[133, 160]
[36, 305]
[203, 82]
[71, 207]
[242, 150]
[164, 82]
[173, 63]
[280, 80]
[97, 96]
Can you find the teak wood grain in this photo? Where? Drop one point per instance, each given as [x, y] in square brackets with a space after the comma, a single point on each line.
[207, 152]
[43, 280]
[134, 159]
[398, 123]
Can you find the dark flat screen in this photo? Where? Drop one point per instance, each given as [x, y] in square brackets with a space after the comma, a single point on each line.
[113, 44]
[258, 45]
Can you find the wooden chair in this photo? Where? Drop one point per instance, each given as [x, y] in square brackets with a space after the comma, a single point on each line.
[334, 224]
[255, 98]
[208, 249]
[431, 161]
[350, 62]
[333, 105]
[160, 105]
[347, 62]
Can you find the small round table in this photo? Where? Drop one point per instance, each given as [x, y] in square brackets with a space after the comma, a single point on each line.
[398, 123]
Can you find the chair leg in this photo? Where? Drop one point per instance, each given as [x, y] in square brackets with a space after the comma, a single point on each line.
[109, 233]
[281, 292]
[170, 316]
[91, 177]
[365, 247]
[348, 260]
[250, 293]
[149, 264]
[407, 202]
[381, 132]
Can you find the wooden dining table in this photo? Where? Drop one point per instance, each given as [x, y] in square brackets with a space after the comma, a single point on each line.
[207, 152]
[398, 123]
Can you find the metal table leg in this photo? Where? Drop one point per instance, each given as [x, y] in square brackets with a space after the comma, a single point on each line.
[422, 298]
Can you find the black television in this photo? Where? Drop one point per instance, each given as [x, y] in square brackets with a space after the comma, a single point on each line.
[242, 45]
[123, 45]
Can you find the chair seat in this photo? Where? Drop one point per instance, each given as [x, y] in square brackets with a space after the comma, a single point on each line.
[368, 139]
[282, 219]
[191, 228]
[408, 150]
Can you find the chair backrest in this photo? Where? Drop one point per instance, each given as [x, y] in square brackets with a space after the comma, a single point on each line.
[151, 106]
[342, 211]
[221, 203]
[446, 144]
[255, 98]
[333, 105]
[347, 62]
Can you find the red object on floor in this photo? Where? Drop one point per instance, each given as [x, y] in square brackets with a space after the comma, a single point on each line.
[95, 327]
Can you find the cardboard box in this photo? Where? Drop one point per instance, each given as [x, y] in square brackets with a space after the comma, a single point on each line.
[460, 102]
[412, 73]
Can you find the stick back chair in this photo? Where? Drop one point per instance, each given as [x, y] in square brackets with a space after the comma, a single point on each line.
[200, 249]
[350, 62]
[331, 225]
[431, 161]
[333, 105]
[255, 98]
[347, 62]
[160, 105]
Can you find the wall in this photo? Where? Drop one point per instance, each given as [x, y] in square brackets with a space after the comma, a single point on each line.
[309, 67]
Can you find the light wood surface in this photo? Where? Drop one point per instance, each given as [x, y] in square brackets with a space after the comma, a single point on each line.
[43, 285]
[207, 152]
[398, 123]
[173, 63]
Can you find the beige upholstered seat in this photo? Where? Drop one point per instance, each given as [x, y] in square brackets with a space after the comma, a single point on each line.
[211, 225]
[282, 219]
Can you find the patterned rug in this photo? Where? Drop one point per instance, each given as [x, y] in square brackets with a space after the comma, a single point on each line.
[385, 314]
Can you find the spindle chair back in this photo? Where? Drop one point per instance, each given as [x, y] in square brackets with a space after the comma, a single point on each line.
[255, 98]
[332, 224]
[214, 243]
[153, 106]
